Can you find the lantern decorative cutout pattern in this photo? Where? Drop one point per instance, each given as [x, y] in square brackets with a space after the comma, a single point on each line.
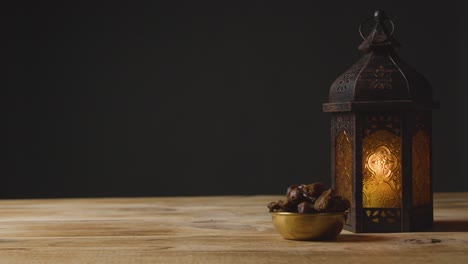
[381, 137]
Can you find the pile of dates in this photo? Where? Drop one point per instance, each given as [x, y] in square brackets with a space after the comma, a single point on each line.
[309, 199]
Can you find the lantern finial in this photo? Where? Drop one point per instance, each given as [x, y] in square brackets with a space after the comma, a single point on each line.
[381, 29]
[379, 15]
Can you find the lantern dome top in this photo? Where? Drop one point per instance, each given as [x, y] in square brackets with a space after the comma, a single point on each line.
[380, 80]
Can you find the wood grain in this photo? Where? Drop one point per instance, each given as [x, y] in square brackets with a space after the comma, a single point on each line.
[206, 230]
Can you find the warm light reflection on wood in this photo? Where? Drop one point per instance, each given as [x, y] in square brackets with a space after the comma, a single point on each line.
[381, 170]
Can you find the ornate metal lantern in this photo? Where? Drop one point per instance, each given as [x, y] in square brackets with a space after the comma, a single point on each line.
[381, 137]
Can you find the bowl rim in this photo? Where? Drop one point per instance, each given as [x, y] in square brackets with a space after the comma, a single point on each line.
[308, 214]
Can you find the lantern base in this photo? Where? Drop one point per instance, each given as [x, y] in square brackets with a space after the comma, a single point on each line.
[390, 220]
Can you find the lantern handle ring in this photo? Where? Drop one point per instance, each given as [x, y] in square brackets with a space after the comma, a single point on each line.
[379, 17]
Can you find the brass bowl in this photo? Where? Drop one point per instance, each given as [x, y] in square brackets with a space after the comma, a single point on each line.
[321, 226]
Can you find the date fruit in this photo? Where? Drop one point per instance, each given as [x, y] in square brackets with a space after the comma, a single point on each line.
[309, 199]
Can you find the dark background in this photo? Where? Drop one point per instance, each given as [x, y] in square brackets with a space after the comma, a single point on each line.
[203, 97]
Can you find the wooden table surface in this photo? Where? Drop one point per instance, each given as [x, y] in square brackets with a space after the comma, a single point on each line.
[207, 230]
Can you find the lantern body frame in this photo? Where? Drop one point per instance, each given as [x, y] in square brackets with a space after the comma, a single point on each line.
[405, 125]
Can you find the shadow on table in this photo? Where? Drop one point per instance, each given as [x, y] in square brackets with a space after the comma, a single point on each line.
[450, 226]
[361, 238]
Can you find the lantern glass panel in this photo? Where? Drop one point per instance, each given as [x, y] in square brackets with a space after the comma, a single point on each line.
[421, 168]
[343, 165]
[381, 170]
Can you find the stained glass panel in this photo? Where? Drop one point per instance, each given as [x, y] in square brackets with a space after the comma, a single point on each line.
[381, 176]
[343, 165]
[421, 168]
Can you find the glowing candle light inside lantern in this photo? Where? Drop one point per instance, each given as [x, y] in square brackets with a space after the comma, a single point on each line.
[381, 170]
